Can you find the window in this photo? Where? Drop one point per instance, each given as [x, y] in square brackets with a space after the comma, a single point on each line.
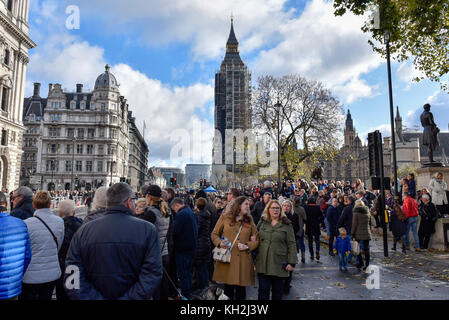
[79, 166]
[79, 148]
[101, 133]
[101, 149]
[68, 166]
[90, 133]
[54, 117]
[52, 165]
[68, 149]
[5, 92]
[6, 58]
[71, 132]
[83, 105]
[54, 132]
[72, 105]
[90, 148]
[100, 166]
[80, 133]
[103, 107]
[9, 5]
[88, 166]
[53, 148]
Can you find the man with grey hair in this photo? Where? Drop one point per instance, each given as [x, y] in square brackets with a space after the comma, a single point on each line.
[22, 203]
[429, 215]
[118, 256]
[66, 210]
[99, 205]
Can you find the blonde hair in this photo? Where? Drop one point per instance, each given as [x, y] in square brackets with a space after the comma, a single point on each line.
[42, 199]
[161, 204]
[359, 203]
[266, 213]
[141, 200]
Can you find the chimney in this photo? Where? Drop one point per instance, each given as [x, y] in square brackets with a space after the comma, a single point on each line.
[37, 89]
[79, 88]
[50, 88]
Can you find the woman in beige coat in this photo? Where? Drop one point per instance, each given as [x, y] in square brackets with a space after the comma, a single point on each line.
[238, 274]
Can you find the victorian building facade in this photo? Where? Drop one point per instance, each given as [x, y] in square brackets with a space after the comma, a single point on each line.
[138, 155]
[14, 46]
[76, 140]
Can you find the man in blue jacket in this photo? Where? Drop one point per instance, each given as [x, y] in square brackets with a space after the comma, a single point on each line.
[22, 203]
[185, 236]
[115, 257]
[15, 252]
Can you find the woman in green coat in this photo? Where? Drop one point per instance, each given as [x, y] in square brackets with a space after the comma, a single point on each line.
[276, 255]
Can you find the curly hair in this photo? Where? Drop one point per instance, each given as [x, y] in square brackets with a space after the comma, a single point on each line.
[232, 210]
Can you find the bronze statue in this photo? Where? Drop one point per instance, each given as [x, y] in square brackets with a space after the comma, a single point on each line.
[430, 134]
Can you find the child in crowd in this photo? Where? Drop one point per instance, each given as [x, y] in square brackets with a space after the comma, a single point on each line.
[343, 248]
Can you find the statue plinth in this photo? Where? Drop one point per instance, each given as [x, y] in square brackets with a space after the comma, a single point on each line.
[425, 174]
[432, 164]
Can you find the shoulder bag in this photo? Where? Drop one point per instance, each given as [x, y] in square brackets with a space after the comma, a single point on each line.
[224, 254]
[53, 235]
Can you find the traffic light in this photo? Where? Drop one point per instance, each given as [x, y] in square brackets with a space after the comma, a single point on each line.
[375, 152]
[174, 182]
[201, 182]
[171, 182]
[122, 179]
[205, 183]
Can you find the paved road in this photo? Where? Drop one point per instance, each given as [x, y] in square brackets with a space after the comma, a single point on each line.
[419, 276]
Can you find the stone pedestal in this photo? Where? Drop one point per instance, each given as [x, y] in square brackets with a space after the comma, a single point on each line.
[437, 239]
[424, 175]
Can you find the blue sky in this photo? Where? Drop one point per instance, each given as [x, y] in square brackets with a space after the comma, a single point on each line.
[164, 54]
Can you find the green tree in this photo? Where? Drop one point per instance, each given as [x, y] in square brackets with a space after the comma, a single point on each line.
[418, 30]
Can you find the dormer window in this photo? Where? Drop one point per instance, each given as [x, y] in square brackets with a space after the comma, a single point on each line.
[72, 105]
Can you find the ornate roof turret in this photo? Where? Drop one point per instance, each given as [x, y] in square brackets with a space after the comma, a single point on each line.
[398, 116]
[349, 122]
[106, 81]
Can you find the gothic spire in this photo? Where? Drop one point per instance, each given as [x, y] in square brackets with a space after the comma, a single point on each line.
[398, 116]
[232, 44]
[349, 122]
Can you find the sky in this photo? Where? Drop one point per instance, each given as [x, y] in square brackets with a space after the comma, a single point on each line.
[164, 54]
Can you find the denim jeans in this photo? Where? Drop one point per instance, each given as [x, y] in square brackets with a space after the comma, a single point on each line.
[343, 260]
[412, 222]
[184, 267]
[300, 243]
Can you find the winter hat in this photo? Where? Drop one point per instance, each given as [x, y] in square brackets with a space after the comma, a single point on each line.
[154, 191]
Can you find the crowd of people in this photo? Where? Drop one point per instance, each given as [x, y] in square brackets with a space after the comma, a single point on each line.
[160, 244]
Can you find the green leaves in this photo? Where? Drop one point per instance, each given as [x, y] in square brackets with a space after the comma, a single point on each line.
[419, 30]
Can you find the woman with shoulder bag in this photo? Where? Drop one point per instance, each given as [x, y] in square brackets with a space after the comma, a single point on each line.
[237, 226]
[276, 256]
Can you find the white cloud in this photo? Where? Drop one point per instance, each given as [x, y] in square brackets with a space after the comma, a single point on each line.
[323, 47]
[439, 102]
[406, 72]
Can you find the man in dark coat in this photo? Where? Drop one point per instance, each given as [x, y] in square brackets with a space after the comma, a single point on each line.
[22, 203]
[259, 207]
[313, 231]
[185, 236]
[332, 215]
[117, 256]
[429, 216]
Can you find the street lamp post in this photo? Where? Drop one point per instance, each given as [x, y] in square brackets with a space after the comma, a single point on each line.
[73, 162]
[278, 110]
[393, 135]
[52, 170]
[112, 163]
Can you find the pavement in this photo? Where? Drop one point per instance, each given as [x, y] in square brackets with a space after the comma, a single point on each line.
[410, 276]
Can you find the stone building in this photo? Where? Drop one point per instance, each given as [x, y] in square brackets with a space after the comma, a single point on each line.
[76, 140]
[14, 46]
[353, 161]
[138, 155]
[232, 101]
